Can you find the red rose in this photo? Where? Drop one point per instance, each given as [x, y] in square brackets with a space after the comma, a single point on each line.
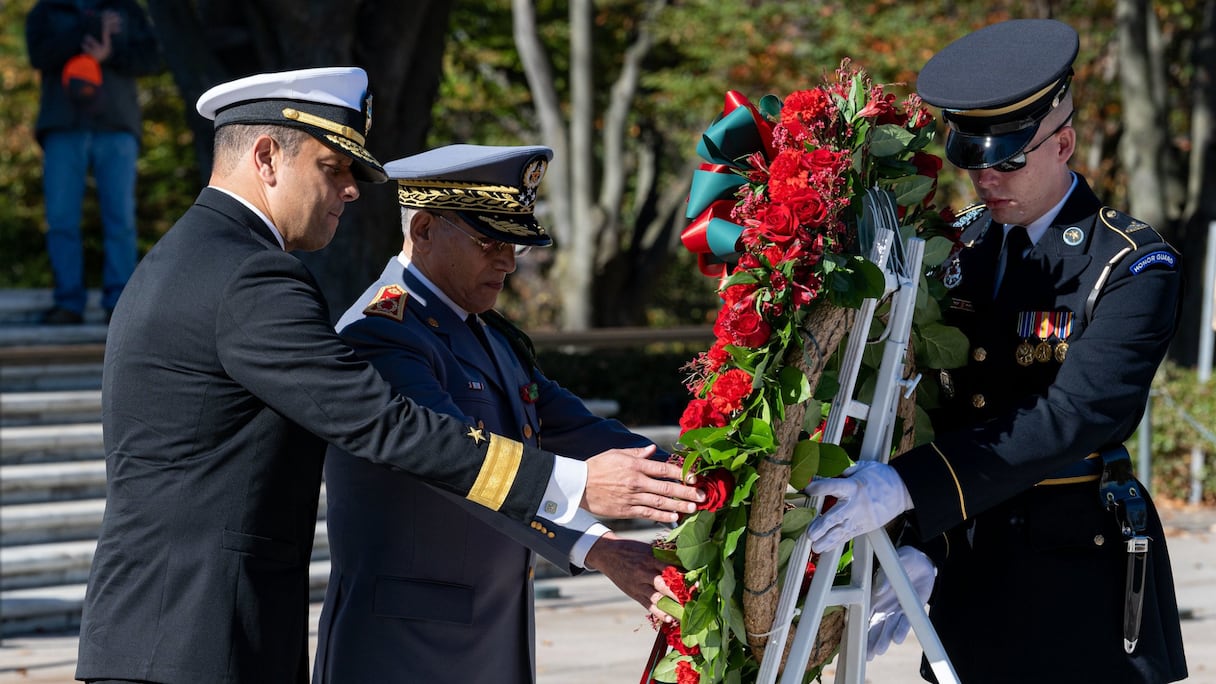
[742, 325]
[700, 413]
[733, 294]
[718, 484]
[686, 673]
[778, 222]
[674, 579]
[928, 165]
[671, 631]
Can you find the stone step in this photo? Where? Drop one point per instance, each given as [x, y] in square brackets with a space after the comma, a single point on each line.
[27, 305]
[51, 377]
[61, 521]
[57, 609]
[45, 482]
[49, 522]
[47, 443]
[54, 407]
[53, 564]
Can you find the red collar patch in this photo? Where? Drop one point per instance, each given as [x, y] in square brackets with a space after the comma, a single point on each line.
[389, 302]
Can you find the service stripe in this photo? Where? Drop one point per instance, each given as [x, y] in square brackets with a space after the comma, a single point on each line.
[497, 472]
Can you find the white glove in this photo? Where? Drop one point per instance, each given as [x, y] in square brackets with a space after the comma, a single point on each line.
[888, 623]
[869, 495]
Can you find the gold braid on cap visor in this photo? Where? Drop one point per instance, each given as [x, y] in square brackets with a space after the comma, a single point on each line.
[498, 199]
[323, 123]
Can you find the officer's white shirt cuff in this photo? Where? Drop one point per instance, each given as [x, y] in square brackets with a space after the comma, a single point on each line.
[564, 492]
[594, 529]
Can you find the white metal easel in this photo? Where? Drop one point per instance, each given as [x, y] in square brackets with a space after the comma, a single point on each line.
[901, 266]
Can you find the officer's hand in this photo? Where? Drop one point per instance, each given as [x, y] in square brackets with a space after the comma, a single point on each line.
[633, 568]
[869, 494]
[888, 622]
[624, 483]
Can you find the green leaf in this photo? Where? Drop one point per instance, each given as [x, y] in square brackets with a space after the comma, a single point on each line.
[757, 433]
[770, 106]
[940, 346]
[937, 250]
[735, 526]
[910, 191]
[667, 556]
[732, 611]
[671, 607]
[785, 548]
[795, 388]
[833, 459]
[694, 547]
[795, 520]
[806, 464]
[923, 429]
[889, 140]
[665, 670]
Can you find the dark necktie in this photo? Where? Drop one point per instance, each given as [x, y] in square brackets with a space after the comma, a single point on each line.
[479, 332]
[1014, 276]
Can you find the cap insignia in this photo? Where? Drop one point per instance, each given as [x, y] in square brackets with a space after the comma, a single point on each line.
[533, 173]
[389, 302]
[367, 114]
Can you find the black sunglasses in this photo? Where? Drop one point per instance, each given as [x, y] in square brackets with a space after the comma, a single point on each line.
[1018, 160]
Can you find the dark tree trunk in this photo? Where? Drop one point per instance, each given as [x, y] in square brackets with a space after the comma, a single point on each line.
[400, 44]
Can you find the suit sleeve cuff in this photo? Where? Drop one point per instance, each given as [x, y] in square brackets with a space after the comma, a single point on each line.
[564, 491]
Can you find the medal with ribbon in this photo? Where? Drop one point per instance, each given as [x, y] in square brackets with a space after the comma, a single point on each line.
[1050, 328]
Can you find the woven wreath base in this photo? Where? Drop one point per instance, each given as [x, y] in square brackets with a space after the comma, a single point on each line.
[827, 641]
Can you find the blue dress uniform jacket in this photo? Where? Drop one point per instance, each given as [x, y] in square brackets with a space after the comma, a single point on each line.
[423, 587]
[223, 382]
[1030, 563]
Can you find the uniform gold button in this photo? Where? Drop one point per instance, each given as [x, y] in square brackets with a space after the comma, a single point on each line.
[1099, 540]
[979, 354]
[978, 400]
[527, 431]
[551, 535]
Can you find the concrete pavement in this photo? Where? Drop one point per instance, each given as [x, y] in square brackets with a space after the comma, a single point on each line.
[588, 633]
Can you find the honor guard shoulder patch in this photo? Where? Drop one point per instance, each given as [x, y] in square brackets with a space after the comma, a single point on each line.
[389, 302]
[1160, 258]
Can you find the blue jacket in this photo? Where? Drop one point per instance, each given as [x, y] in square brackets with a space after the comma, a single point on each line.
[424, 588]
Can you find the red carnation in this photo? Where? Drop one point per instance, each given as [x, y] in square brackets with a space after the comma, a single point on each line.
[718, 484]
[716, 356]
[730, 389]
[701, 413]
[674, 579]
[671, 630]
[686, 673]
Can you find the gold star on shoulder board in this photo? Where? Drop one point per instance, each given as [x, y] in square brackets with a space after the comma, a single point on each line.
[476, 435]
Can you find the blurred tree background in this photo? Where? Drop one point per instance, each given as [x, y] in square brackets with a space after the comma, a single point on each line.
[622, 90]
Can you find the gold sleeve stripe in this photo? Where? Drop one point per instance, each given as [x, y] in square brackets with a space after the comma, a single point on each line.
[962, 505]
[498, 472]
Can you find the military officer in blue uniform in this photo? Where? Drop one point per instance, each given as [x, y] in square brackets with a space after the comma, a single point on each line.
[1051, 563]
[423, 586]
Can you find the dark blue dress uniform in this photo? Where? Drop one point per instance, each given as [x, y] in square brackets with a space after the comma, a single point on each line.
[1032, 582]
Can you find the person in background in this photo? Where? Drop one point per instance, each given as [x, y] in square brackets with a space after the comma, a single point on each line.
[89, 54]
[1026, 527]
[224, 380]
[423, 586]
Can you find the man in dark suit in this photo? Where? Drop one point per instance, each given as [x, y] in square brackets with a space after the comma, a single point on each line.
[423, 587]
[1025, 504]
[223, 382]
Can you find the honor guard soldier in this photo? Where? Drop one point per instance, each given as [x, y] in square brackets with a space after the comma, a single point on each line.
[223, 382]
[425, 587]
[1024, 504]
